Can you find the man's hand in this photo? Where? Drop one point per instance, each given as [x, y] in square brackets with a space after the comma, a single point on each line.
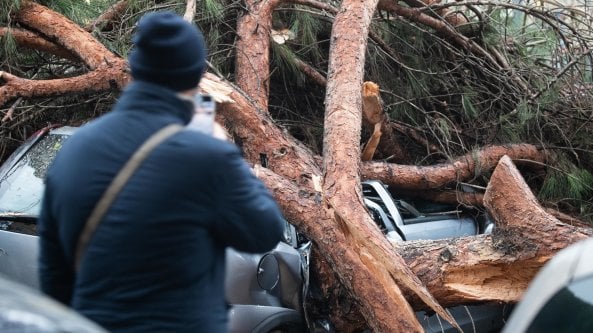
[219, 132]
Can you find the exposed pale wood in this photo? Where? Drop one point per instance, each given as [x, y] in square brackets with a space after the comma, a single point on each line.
[372, 143]
[383, 138]
[219, 90]
[372, 105]
[190, 11]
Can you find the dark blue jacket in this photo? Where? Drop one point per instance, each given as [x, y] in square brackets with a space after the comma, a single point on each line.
[156, 262]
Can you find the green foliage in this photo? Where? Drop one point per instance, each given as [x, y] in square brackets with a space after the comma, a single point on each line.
[468, 106]
[212, 10]
[509, 132]
[444, 129]
[569, 183]
[308, 29]
[283, 58]
[526, 113]
[8, 48]
[81, 12]
[7, 7]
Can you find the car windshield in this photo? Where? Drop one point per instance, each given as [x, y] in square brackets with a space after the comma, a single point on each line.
[21, 187]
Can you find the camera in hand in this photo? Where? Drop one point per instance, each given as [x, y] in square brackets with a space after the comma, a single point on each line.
[205, 110]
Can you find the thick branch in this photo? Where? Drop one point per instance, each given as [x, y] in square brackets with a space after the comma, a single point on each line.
[462, 168]
[108, 70]
[253, 51]
[497, 267]
[341, 187]
[262, 141]
[62, 31]
[32, 40]
[512, 204]
[103, 79]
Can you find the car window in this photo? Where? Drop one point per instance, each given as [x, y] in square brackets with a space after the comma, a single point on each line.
[21, 187]
[569, 310]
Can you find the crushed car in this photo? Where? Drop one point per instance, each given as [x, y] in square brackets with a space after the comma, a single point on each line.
[266, 291]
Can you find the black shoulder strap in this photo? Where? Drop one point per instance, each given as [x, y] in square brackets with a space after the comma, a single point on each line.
[117, 184]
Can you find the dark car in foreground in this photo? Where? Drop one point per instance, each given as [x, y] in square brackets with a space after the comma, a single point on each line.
[560, 297]
[266, 291]
[26, 310]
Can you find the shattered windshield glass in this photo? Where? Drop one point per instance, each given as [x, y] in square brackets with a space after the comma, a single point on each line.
[21, 188]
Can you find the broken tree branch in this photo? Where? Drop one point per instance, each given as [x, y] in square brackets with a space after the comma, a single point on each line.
[108, 71]
[460, 169]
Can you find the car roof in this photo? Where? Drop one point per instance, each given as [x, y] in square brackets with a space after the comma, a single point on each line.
[66, 130]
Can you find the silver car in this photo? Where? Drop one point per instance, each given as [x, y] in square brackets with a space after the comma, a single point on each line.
[263, 289]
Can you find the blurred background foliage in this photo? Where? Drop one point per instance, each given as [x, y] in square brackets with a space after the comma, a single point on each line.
[539, 93]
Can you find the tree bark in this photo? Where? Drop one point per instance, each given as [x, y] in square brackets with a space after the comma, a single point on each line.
[253, 50]
[59, 29]
[342, 197]
[462, 168]
[495, 267]
[108, 71]
[29, 39]
[327, 206]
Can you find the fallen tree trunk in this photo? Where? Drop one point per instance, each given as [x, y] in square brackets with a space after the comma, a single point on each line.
[486, 268]
[366, 251]
[328, 208]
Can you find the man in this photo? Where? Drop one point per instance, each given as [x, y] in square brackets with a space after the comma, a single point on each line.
[156, 261]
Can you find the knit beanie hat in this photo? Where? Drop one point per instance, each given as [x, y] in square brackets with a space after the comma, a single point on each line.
[168, 51]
